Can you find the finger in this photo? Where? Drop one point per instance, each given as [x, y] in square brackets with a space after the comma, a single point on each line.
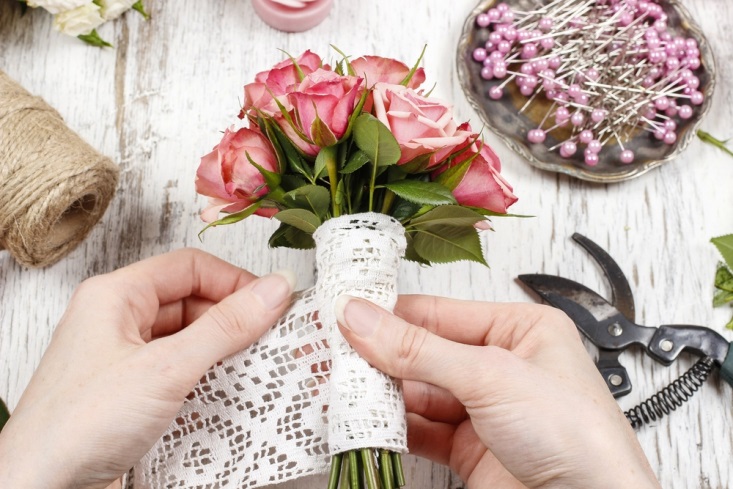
[230, 325]
[161, 280]
[174, 316]
[409, 352]
[478, 323]
[430, 439]
[432, 402]
[187, 272]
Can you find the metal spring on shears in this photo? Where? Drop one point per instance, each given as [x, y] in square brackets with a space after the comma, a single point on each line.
[672, 396]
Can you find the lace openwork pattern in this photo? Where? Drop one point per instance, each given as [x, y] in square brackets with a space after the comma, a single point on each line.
[275, 411]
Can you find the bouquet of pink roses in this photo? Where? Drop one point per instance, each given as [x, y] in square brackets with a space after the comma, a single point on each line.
[360, 137]
[350, 151]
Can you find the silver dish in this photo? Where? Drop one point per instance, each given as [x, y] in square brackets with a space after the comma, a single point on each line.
[503, 117]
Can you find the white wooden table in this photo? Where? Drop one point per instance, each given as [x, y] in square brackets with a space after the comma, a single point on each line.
[156, 102]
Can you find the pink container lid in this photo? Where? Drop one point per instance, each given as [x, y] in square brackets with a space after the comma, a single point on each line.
[290, 19]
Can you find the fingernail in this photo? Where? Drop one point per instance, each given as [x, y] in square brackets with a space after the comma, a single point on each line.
[274, 289]
[357, 315]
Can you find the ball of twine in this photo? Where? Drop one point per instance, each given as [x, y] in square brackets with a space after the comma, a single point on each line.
[54, 187]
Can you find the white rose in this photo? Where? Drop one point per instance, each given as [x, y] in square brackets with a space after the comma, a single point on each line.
[81, 20]
[111, 9]
[57, 6]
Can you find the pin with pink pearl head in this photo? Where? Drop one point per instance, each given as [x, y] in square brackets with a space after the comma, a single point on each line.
[292, 15]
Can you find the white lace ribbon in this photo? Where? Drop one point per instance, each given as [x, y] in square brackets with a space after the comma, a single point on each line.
[260, 417]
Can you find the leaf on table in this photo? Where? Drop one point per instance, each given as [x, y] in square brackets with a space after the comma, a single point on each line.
[722, 297]
[93, 39]
[724, 278]
[706, 137]
[725, 247]
[730, 324]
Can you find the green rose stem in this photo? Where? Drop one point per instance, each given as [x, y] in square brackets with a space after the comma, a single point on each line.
[329, 154]
[333, 478]
[388, 199]
[366, 468]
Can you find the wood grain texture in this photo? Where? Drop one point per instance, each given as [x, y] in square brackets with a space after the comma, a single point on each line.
[156, 102]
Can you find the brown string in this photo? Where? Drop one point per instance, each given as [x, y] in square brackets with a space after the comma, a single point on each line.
[54, 187]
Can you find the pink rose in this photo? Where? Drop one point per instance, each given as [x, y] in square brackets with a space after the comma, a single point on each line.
[228, 178]
[375, 69]
[482, 185]
[279, 81]
[422, 126]
[329, 96]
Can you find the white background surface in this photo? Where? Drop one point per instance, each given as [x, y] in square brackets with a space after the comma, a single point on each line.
[157, 101]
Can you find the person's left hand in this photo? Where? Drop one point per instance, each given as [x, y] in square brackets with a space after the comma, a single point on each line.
[130, 347]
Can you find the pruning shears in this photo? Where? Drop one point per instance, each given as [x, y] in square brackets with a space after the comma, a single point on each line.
[611, 327]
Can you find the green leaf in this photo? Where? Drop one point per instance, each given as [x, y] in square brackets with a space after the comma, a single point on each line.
[93, 39]
[418, 164]
[312, 198]
[272, 179]
[411, 254]
[232, 218]
[140, 8]
[725, 247]
[404, 210]
[355, 115]
[419, 192]
[292, 153]
[452, 177]
[722, 297]
[345, 59]
[451, 215]
[376, 140]
[291, 182]
[724, 278]
[4, 414]
[278, 239]
[299, 239]
[730, 324]
[444, 244]
[297, 67]
[409, 76]
[486, 212]
[710, 139]
[287, 236]
[299, 218]
[357, 160]
[321, 160]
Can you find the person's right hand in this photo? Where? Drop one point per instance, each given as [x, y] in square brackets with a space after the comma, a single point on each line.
[505, 394]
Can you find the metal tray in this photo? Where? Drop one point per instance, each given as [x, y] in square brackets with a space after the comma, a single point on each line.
[503, 117]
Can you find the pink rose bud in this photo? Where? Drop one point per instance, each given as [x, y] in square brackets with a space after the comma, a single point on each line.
[375, 69]
[482, 185]
[421, 125]
[228, 178]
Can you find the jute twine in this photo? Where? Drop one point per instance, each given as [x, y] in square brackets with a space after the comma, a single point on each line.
[54, 187]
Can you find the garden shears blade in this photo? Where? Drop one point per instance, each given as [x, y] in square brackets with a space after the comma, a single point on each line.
[611, 327]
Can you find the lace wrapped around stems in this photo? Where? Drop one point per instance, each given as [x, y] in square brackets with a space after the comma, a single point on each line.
[277, 410]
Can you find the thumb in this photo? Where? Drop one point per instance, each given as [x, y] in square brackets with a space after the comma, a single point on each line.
[408, 352]
[231, 325]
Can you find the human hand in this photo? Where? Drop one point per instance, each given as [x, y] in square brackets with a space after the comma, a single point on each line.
[129, 349]
[505, 394]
